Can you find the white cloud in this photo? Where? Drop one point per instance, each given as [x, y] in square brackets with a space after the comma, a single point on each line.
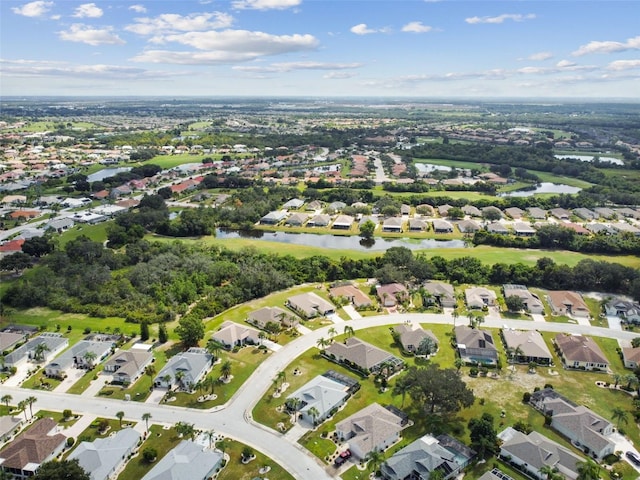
[362, 29]
[31, 68]
[289, 66]
[536, 57]
[265, 4]
[516, 17]
[33, 9]
[88, 10]
[138, 8]
[339, 75]
[90, 35]
[565, 64]
[416, 27]
[172, 23]
[623, 65]
[229, 46]
[608, 47]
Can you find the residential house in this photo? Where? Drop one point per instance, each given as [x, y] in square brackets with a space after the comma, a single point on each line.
[472, 211]
[84, 354]
[522, 229]
[392, 224]
[598, 228]
[231, 334]
[443, 293]
[405, 209]
[31, 448]
[628, 212]
[533, 452]
[628, 311]
[313, 206]
[52, 344]
[495, 474]
[293, 204]
[442, 226]
[184, 370]
[8, 340]
[475, 345]
[336, 206]
[579, 229]
[322, 396]
[526, 346]
[563, 302]
[310, 305]
[468, 226]
[497, 228]
[126, 366]
[514, 212]
[343, 222]
[8, 426]
[102, 457]
[368, 218]
[352, 293]
[296, 219]
[578, 351]
[418, 225]
[391, 294]
[532, 302]
[188, 460]
[261, 317]
[443, 210]
[479, 297]
[362, 355]
[585, 214]
[622, 227]
[560, 213]
[374, 428]
[321, 220]
[273, 218]
[584, 428]
[420, 458]
[605, 212]
[59, 225]
[411, 336]
[536, 213]
[631, 357]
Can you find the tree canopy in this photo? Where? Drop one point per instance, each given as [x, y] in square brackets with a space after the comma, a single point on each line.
[63, 470]
[438, 390]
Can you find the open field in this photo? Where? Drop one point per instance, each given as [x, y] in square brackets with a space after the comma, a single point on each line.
[171, 161]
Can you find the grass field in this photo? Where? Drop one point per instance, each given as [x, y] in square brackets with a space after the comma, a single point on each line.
[236, 470]
[162, 440]
[171, 161]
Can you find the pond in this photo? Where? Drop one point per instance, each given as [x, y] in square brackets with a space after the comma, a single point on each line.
[106, 173]
[544, 187]
[352, 242]
[589, 158]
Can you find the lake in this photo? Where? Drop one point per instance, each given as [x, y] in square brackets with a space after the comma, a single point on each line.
[589, 158]
[339, 242]
[106, 173]
[544, 187]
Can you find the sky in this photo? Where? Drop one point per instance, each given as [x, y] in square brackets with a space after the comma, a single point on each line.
[321, 48]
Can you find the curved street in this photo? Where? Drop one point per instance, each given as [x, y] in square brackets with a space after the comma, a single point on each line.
[234, 418]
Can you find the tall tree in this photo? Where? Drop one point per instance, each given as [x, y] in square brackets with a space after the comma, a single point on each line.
[588, 470]
[190, 330]
[30, 401]
[61, 470]
[6, 399]
[439, 390]
[484, 438]
[120, 416]
[619, 415]
[145, 418]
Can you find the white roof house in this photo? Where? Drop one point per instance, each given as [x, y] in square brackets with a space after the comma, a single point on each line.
[321, 393]
[190, 366]
[102, 457]
[187, 461]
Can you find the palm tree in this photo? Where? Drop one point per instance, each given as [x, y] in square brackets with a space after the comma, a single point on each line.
[630, 379]
[549, 471]
[588, 470]
[402, 387]
[22, 407]
[455, 314]
[617, 378]
[322, 343]
[471, 317]
[619, 415]
[120, 416]
[436, 474]
[458, 363]
[186, 429]
[333, 332]
[167, 379]
[348, 331]
[281, 377]
[294, 404]
[261, 336]
[150, 370]
[225, 370]
[374, 458]
[314, 413]
[89, 357]
[211, 434]
[145, 418]
[38, 353]
[214, 347]
[180, 377]
[30, 401]
[6, 399]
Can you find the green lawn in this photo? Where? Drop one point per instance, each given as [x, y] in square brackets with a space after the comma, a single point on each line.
[159, 438]
[236, 470]
[97, 233]
[82, 384]
[41, 382]
[92, 431]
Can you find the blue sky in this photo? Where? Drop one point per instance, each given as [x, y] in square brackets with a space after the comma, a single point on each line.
[417, 48]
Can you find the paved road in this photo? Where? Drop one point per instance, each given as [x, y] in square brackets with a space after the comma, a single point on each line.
[234, 418]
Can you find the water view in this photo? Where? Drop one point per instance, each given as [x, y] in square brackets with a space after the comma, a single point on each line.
[339, 242]
[106, 173]
[589, 158]
[544, 187]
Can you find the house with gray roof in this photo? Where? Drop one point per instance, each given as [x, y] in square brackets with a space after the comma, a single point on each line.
[411, 336]
[443, 210]
[605, 212]
[276, 315]
[537, 213]
[580, 352]
[84, 354]
[294, 203]
[498, 228]
[442, 226]
[584, 428]
[310, 305]
[597, 228]
[628, 311]
[475, 345]
[53, 343]
[622, 227]
[418, 225]
[427, 454]
[343, 222]
[495, 474]
[471, 211]
[184, 370]
[362, 355]
[527, 346]
[443, 293]
[336, 206]
[532, 302]
[532, 452]
[232, 334]
[296, 219]
[372, 428]
[102, 457]
[468, 226]
[522, 229]
[59, 225]
[273, 218]
[323, 394]
[631, 357]
[31, 448]
[585, 214]
[186, 461]
[8, 426]
[321, 220]
[392, 224]
[560, 213]
[514, 212]
[126, 366]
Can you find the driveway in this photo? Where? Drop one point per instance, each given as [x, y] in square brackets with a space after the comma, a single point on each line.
[73, 375]
[537, 317]
[614, 322]
[156, 396]
[95, 386]
[624, 445]
[352, 312]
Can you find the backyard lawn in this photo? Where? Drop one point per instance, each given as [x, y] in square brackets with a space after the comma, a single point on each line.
[159, 438]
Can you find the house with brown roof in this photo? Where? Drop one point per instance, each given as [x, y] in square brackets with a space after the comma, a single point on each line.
[631, 357]
[352, 293]
[392, 224]
[362, 355]
[374, 428]
[391, 294]
[580, 352]
[442, 226]
[475, 345]
[526, 346]
[310, 305]
[411, 336]
[261, 317]
[231, 334]
[40, 443]
[442, 293]
[563, 302]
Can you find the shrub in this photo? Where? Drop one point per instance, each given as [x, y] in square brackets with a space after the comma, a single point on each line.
[149, 454]
[86, 331]
[526, 397]
[66, 414]
[70, 441]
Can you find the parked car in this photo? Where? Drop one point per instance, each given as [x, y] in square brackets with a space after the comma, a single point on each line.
[343, 457]
[633, 458]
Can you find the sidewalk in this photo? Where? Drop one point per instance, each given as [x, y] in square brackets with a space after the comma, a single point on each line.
[352, 312]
